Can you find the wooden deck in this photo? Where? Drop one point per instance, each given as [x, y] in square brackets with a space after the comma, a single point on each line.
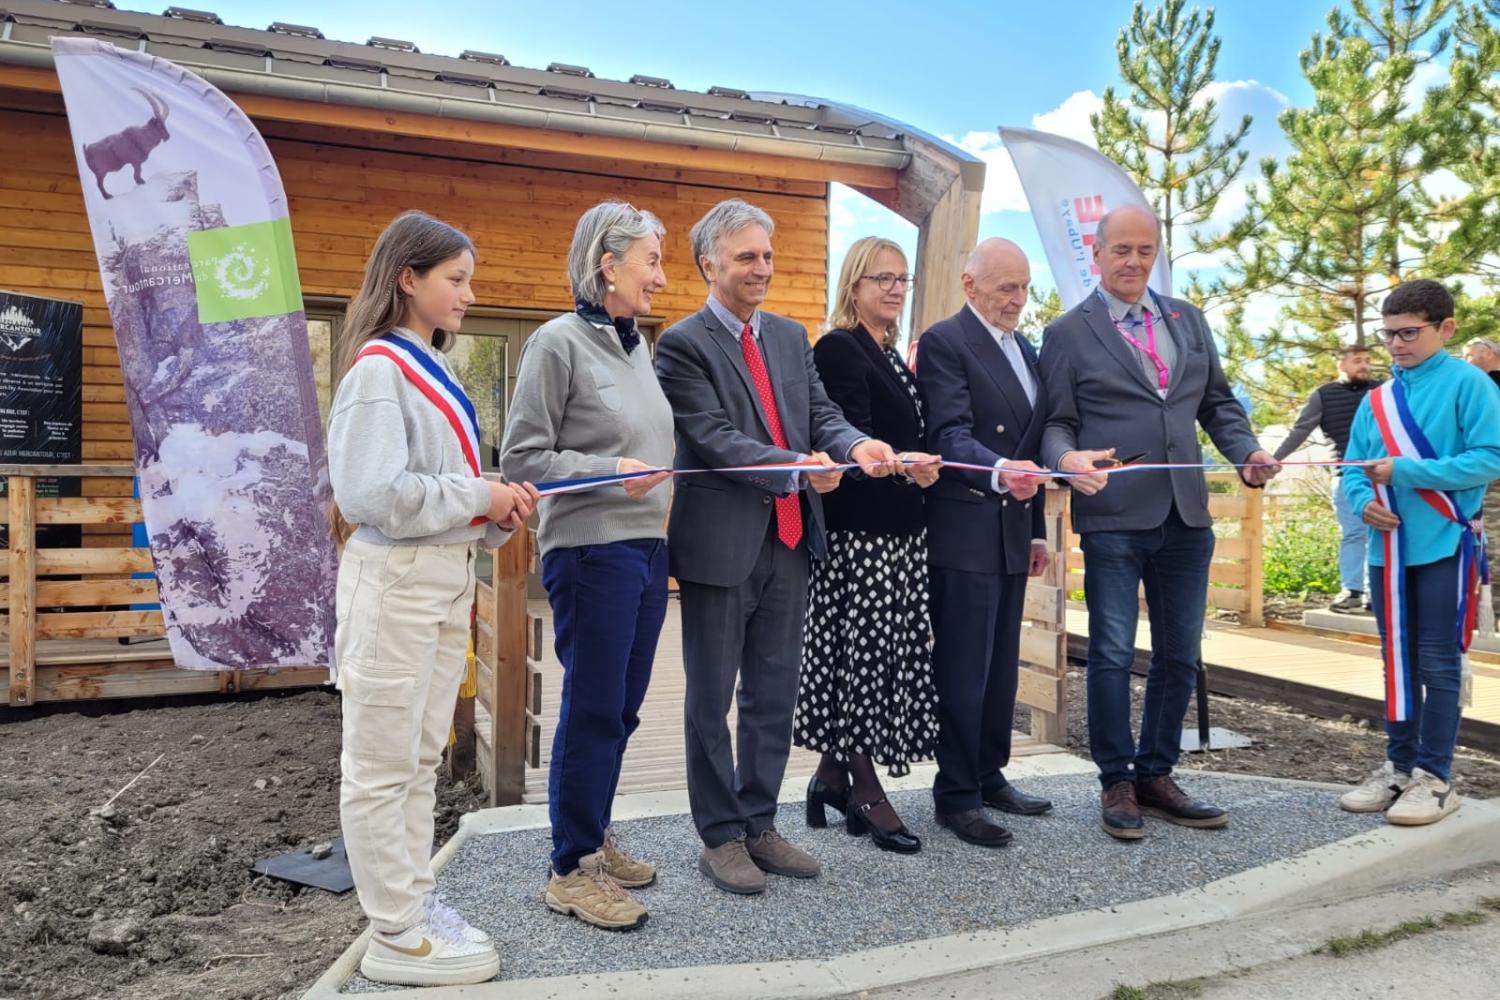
[654, 760]
[1319, 674]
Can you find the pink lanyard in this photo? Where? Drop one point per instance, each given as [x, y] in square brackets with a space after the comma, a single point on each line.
[1163, 375]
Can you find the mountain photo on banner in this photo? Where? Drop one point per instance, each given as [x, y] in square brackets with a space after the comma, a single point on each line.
[194, 244]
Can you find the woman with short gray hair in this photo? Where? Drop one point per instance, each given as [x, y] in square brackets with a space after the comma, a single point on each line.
[587, 404]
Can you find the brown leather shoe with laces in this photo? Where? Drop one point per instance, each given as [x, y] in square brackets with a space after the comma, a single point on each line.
[1161, 797]
[1121, 814]
[588, 893]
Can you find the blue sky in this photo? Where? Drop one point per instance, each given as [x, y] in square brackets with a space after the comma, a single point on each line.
[951, 68]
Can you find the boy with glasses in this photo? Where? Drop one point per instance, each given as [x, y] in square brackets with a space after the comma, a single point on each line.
[1431, 438]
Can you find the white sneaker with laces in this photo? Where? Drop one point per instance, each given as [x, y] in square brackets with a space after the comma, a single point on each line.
[1426, 800]
[1377, 793]
[440, 913]
[428, 955]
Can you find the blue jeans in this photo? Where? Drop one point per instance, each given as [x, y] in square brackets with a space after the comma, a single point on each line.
[1427, 736]
[1172, 561]
[608, 604]
[1354, 537]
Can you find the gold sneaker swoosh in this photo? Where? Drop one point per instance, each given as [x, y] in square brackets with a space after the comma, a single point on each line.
[422, 951]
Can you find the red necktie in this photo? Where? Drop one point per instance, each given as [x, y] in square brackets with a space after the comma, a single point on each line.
[788, 508]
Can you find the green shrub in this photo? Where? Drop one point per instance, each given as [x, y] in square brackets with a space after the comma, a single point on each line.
[1302, 551]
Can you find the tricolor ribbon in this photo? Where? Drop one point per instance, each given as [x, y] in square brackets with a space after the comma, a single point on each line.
[431, 380]
[1403, 438]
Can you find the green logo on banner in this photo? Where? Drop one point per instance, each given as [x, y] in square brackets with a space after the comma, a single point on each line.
[242, 272]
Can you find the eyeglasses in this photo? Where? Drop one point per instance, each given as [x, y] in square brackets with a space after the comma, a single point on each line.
[886, 280]
[1405, 334]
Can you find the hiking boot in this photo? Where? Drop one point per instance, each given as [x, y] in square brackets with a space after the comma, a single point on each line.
[772, 852]
[630, 872]
[1161, 797]
[588, 893]
[1426, 799]
[428, 955]
[446, 917]
[1350, 602]
[730, 868]
[1120, 813]
[1377, 793]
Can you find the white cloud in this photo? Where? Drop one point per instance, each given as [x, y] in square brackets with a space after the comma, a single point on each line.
[1071, 118]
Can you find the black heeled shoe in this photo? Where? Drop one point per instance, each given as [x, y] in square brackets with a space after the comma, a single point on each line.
[857, 822]
[819, 795]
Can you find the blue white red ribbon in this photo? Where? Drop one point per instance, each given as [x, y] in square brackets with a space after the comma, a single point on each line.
[1404, 438]
[431, 380]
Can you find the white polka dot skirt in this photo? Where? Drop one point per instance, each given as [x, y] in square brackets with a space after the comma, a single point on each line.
[867, 684]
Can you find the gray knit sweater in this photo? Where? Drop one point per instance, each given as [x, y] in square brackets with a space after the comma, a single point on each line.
[397, 467]
[581, 404]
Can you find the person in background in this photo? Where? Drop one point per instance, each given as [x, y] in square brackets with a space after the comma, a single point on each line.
[1433, 435]
[403, 461]
[1485, 355]
[587, 403]
[1330, 409]
[867, 694]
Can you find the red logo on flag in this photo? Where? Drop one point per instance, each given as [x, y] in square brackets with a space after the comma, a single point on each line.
[1090, 208]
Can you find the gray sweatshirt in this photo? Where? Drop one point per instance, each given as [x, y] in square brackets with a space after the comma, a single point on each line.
[582, 404]
[397, 467]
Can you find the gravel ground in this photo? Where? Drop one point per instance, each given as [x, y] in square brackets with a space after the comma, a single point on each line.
[867, 899]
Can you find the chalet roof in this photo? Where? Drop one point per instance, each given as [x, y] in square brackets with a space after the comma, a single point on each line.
[297, 61]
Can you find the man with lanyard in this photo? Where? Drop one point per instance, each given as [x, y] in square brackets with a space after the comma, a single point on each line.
[1132, 373]
[1331, 409]
[1431, 437]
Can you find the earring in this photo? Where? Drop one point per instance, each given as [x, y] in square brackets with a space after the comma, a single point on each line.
[611, 287]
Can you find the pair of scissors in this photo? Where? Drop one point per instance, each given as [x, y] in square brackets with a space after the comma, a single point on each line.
[1115, 463]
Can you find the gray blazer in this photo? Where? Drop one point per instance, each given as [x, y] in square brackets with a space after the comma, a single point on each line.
[1098, 396]
[719, 522]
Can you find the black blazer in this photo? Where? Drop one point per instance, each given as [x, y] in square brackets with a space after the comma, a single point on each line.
[977, 413]
[859, 378]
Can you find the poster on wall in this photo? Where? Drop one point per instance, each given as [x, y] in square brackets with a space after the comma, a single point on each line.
[41, 397]
[190, 226]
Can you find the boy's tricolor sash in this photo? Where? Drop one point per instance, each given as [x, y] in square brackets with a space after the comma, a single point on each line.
[432, 381]
[1403, 437]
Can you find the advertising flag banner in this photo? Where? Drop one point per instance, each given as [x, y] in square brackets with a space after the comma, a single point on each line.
[195, 249]
[1069, 187]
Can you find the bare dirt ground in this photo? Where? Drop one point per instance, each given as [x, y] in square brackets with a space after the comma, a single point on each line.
[158, 899]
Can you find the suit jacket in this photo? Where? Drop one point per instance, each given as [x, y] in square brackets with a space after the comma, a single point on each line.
[859, 378]
[1099, 397]
[977, 413]
[719, 522]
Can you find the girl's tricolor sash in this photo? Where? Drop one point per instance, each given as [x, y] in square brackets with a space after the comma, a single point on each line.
[431, 380]
[1403, 438]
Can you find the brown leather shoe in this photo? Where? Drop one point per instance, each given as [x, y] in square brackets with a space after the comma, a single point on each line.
[729, 867]
[771, 851]
[1162, 798]
[1121, 814]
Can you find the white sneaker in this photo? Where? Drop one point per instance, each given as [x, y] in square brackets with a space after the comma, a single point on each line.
[1380, 789]
[449, 919]
[1426, 800]
[428, 955]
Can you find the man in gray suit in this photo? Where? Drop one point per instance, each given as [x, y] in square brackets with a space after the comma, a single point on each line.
[1131, 373]
[744, 392]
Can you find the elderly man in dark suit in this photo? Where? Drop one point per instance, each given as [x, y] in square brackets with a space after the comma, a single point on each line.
[1129, 372]
[744, 391]
[986, 406]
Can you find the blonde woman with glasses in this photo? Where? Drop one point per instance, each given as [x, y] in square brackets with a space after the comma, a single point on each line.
[867, 696]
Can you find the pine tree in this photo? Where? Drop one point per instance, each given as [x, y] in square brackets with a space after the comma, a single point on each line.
[1164, 132]
[1352, 210]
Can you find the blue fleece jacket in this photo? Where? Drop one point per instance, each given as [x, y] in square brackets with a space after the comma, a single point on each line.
[1458, 409]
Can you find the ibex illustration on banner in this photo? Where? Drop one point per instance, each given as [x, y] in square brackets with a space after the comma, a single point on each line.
[130, 146]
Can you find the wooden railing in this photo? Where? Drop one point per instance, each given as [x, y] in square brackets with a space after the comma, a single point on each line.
[1236, 576]
[46, 661]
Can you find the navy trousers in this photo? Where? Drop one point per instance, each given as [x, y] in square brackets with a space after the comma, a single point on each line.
[608, 604]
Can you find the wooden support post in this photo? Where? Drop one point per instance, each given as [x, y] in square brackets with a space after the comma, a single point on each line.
[22, 495]
[509, 742]
[1051, 726]
[1252, 530]
[461, 751]
[944, 239]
